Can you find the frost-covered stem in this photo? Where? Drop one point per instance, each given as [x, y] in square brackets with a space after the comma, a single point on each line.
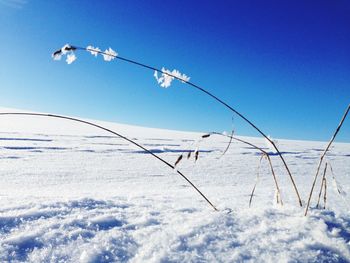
[215, 98]
[263, 152]
[323, 155]
[117, 134]
[322, 184]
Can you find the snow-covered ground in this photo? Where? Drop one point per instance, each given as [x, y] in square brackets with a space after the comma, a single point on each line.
[73, 193]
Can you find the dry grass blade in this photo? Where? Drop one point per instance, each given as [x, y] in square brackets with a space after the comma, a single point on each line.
[196, 155]
[334, 180]
[323, 155]
[325, 193]
[229, 144]
[279, 198]
[178, 160]
[189, 154]
[257, 180]
[278, 192]
[120, 136]
[322, 184]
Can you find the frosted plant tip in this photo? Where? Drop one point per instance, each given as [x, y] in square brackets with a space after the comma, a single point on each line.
[65, 50]
[93, 50]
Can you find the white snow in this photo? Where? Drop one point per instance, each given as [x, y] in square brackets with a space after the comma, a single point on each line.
[72, 193]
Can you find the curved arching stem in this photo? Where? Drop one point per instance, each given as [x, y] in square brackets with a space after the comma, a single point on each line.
[117, 134]
[266, 154]
[73, 48]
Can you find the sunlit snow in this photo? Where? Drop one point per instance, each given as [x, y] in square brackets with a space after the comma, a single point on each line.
[72, 193]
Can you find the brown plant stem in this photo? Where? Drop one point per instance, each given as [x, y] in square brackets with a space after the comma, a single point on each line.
[323, 155]
[229, 144]
[257, 180]
[322, 185]
[264, 153]
[119, 135]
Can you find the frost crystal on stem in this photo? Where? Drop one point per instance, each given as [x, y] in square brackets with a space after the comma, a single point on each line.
[65, 50]
[93, 50]
[109, 55]
[71, 58]
[68, 50]
[168, 76]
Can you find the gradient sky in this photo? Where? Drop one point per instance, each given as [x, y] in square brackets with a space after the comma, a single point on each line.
[283, 64]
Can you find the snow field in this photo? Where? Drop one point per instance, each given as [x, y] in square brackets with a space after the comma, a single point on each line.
[69, 193]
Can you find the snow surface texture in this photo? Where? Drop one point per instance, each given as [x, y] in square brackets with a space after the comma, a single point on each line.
[72, 193]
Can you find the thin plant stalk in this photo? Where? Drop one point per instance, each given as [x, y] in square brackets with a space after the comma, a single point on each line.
[339, 189]
[229, 144]
[323, 155]
[257, 180]
[325, 193]
[322, 185]
[73, 48]
[119, 135]
[335, 181]
[265, 154]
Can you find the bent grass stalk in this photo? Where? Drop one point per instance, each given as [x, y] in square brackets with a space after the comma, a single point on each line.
[73, 48]
[119, 135]
[279, 197]
[323, 155]
[257, 180]
[229, 144]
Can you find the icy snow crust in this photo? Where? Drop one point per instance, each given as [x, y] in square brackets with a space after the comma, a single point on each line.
[70, 193]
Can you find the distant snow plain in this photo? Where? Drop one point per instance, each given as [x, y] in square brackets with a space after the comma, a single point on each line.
[73, 193]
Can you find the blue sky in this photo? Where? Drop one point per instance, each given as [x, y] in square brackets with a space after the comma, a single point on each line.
[283, 64]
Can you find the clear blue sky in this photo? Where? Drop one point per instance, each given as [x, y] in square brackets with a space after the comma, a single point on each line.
[283, 64]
